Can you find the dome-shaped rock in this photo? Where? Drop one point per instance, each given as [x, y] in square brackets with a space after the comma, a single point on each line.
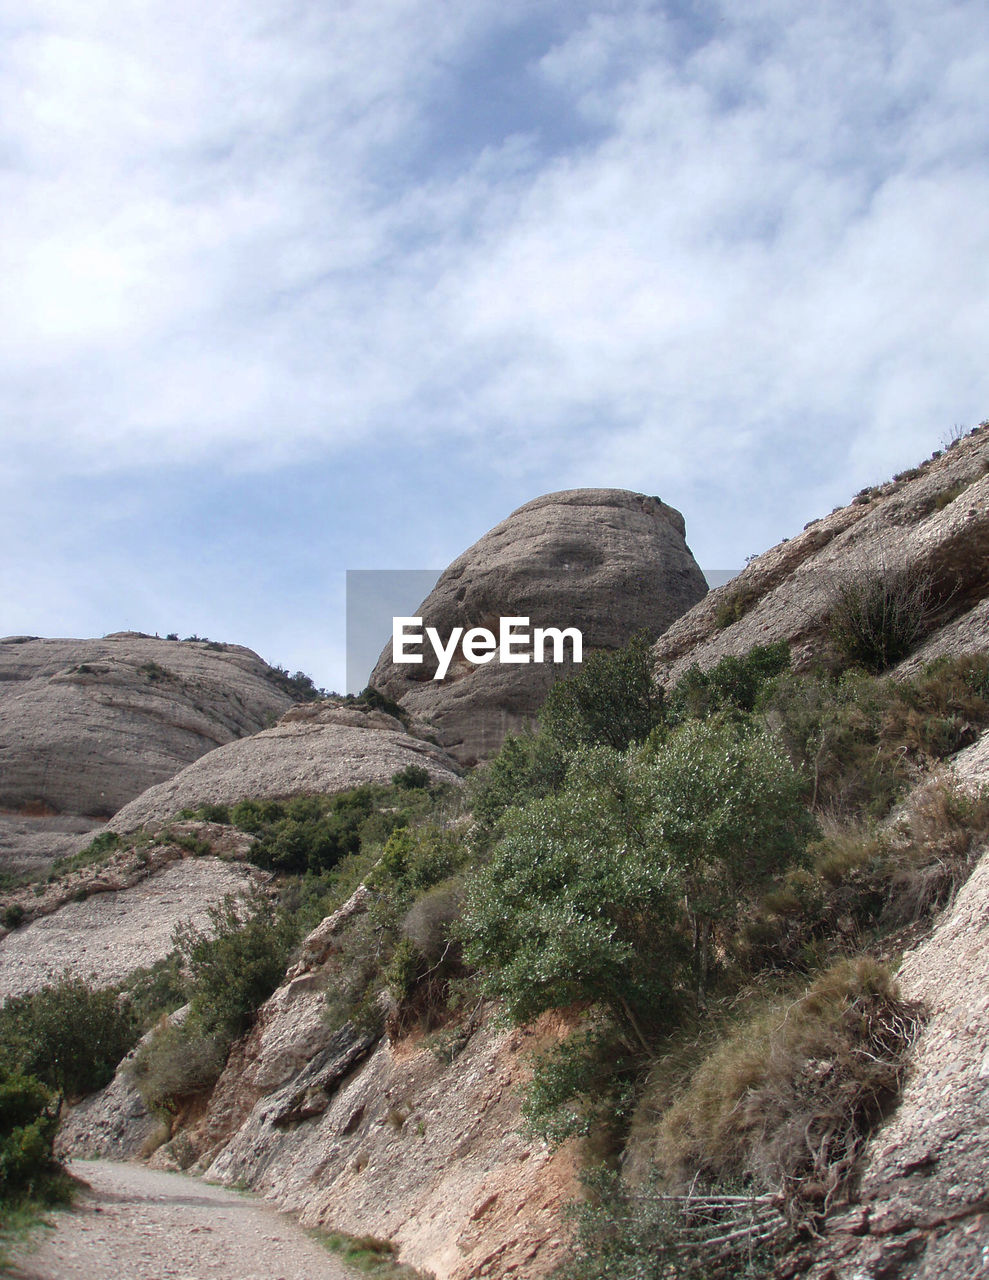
[606, 561]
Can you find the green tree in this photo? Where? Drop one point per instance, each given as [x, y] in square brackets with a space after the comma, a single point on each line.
[68, 1035]
[579, 902]
[730, 815]
[610, 700]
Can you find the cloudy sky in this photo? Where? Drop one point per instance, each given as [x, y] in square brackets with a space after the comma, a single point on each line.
[289, 287]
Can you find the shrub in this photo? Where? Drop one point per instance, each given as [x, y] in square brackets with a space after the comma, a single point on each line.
[13, 915]
[733, 685]
[729, 817]
[583, 1087]
[612, 700]
[235, 963]
[411, 777]
[643, 1233]
[862, 739]
[735, 603]
[177, 1063]
[788, 1101]
[68, 1035]
[299, 686]
[877, 615]
[528, 767]
[416, 858]
[579, 902]
[28, 1120]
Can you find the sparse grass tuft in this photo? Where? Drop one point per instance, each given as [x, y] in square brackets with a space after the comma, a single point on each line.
[369, 1254]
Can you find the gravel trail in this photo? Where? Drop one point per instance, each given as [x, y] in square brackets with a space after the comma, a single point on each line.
[134, 1223]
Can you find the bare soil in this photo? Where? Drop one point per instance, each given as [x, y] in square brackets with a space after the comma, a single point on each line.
[134, 1223]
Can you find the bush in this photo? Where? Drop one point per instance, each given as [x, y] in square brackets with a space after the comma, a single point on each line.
[878, 615]
[235, 963]
[416, 858]
[729, 815]
[788, 1101]
[528, 767]
[579, 902]
[643, 1233]
[177, 1063]
[13, 915]
[583, 1087]
[410, 778]
[28, 1120]
[733, 685]
[299, 686]
[612, 700]
[861, 739]
[68, 1035]
[736, 601]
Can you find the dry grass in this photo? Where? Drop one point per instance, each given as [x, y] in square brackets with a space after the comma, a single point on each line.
[786, 1102]
[933, 845]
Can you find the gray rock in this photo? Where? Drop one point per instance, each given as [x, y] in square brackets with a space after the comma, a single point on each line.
[606, 561]
[319, 748]
[113, 1124]
[86, 725]
[924, 1187]
[935, 520]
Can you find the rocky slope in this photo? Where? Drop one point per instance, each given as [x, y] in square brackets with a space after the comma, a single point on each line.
[923, 1208]
[357, 1133]
[934, 518]
[606, 561]
[318, 747]
[87, 725]
[105, 920]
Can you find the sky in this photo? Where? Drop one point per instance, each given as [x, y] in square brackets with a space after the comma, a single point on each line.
[292, 287]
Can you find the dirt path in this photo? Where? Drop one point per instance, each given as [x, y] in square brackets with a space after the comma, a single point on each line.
[137, 1224]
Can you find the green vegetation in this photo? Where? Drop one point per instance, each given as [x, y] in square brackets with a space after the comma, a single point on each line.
[68, 1035]
[735, 603]
[611, 699]
[30, 1177]
[299, 686]
[368, 1254]
[230, 967]
[878, 615]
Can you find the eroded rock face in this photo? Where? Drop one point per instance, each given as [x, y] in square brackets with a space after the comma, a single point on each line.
[606, 561]
[112, 1124]
[362, 1135]
[923, 1206]
[411, 1148]
[86, 725]
[110, 933]
[319, 747]
[936, 520]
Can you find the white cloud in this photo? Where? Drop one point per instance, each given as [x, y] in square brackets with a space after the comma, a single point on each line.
[235, 232]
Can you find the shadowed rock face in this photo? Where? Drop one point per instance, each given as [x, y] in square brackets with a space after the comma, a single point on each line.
[86, 725]
[606, 561]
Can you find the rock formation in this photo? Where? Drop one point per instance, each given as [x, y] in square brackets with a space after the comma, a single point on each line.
[318, 747]
[606, 561]
[934, 518]
[923, 1199]
[107, 919]
[86, 725]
